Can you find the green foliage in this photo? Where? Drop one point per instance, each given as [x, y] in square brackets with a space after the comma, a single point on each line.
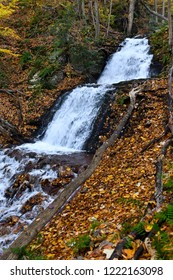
[25, 58]
[169, 214]
[24, 254]
[166, 215]
[126, 228]
[163, 240]
[128, 243]
[139, 229]
[161, 243]
[3, 78]
[120, 12]
[80, 244]
[128, 201]
[160, 46]
[168, 186]
[85, 60]
[121, 100]
[94, 225]
[47, 71]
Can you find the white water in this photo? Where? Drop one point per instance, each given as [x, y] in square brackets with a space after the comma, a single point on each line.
[71, 125]
[131, 62]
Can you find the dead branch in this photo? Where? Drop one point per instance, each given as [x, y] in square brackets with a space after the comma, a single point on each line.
[155, 140]
[152, 251]
[159, 171]
[170, 99]
[44, 217]
[10, 130]
[153, 12]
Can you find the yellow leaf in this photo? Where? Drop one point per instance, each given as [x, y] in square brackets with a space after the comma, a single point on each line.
[50, 256]
[8, 52]
[129, 253]
[9, 32]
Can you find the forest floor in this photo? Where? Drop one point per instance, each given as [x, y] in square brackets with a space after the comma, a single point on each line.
[119, 194]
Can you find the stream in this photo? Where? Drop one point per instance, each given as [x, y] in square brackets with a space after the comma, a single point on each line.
[27, 171]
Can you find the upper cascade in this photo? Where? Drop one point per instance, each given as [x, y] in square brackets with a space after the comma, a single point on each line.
[131, 61]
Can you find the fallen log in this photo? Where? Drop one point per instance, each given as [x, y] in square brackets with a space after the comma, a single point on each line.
[15, 95]
[10, 130]
[159, 171]
[46, 215]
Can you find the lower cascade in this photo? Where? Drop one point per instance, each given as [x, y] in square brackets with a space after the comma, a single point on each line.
[67, 133]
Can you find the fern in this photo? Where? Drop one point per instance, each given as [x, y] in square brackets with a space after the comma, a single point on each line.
[80, 244]
[168, 186]
[169, 214]
[25, 254]
[162, 245]
[139, 229]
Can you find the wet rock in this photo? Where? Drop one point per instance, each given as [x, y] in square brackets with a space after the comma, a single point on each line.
[15, 154]
[31, 202]
[53, 187]
[56, 78]
[4, 230]
[65, 172]
[29, 166]
[10, 221]
[19, 227]
[22, 183]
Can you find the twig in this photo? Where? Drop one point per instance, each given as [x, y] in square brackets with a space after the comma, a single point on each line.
[155, 140]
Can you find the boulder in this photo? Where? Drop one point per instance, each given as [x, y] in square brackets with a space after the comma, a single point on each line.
[31, 202]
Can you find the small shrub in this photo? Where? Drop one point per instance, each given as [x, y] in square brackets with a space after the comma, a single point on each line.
[24, 254]
[25, 58]
[80, 244]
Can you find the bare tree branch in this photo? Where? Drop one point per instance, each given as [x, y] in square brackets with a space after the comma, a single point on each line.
[153, 12]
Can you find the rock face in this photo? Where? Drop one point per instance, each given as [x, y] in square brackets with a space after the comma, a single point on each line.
[21, 184]
[52, 187]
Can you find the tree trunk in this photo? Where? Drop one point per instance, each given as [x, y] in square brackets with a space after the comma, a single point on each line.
[156, 9]
[80, 8]
[131, 17]
[94, 9]
[109, 18]
[170, 26]
[97, 20]
[163, 9]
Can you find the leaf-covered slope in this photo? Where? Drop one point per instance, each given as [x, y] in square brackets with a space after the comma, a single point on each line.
[119, 193]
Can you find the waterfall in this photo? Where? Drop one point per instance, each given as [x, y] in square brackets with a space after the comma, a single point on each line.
[70, 127]
[132, 61]
[72, 123]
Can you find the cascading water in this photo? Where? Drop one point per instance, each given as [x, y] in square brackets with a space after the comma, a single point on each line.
[71, 126]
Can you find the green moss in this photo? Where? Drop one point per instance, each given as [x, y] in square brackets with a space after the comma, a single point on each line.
[160, 47]
[80, 244]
